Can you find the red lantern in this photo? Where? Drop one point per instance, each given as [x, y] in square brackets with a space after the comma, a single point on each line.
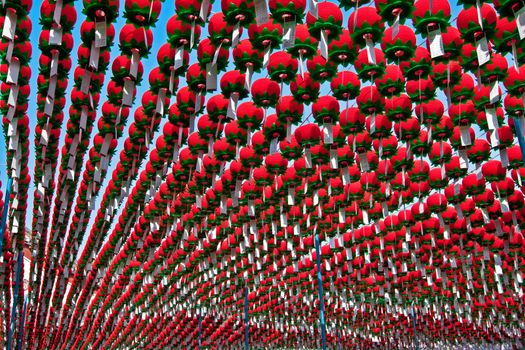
[320, 69]
[305, 45]
[345, 86]
[247, 57]
[366, 25]
[370, 100]
[326, 110]
[305, 89]
[142, 12]
[398, 108]
[329, 20]
[289, 111]
[469, 26]
[206, 53]
[392, 82]
[430, 15]
[400, 47]
[132, 37]
[282, 67]
[342, 50]
[238, 12]
[249, 116]
[265, 36]
[287, 10]
[265, 92]
[369, 69]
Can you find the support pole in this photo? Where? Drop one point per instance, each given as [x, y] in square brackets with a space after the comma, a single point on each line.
[3, 221]
[22, 322]
[15, 299]
[519, 135]
[321, 295]
[200, 330]
[246, 323]
[416, 343]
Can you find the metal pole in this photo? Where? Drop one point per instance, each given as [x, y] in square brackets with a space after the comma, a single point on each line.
[246, 324]
[4, 213]
[15, 299]
[416, 343]
[22, 322]
[200, 330]
[519, 135]
[321, 295]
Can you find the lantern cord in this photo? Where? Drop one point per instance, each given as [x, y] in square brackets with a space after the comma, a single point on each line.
[321, 297]
[15, 298]
[4, 213]
[246, 323]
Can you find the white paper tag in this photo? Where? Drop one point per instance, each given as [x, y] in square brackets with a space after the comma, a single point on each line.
[288, 35]
[436, 43]
[370, 51]
[134, 67]
[52, 87]
[266, 58]
[9, 28]
[94, 56]
[334, 159]
[482, 50]
[328, 135]
[48, 107]
[395, 26]
[159, 108]
[203, 13]
[308, 158]
[346, 176]
[86, 81]
[465, 136]
[520, 22]
[494, 139]
[363, 162]
[83, 118]
[100, 33]
[58, 12]
[10, 48]
[13, 71]
[11, 128]
[105, 145]
[179, 57]
[261, 12]
[13, 95]
[494, 92]
[504, 157]
[127, 95]
[44, 136]
[312, 8]
[291, 196]
[323, 44]
[248, 78]
[236, 34]
[463, 160]
[232, 106]
[55, 36]
[211, 77]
